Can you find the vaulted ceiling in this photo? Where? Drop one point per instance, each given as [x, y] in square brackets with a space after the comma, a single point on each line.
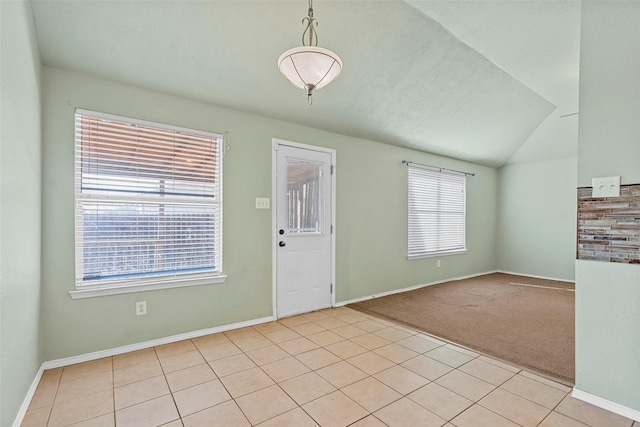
[482, 81]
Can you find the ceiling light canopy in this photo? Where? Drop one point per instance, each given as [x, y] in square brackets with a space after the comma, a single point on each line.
[310, 67]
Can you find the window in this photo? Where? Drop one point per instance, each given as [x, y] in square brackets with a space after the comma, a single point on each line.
[148, 205]
[436, 212]
[304, 197]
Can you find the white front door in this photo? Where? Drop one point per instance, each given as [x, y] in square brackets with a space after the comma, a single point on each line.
[303, 229]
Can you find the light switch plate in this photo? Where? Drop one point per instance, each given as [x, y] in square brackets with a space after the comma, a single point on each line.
[606, 187]
[263, 203]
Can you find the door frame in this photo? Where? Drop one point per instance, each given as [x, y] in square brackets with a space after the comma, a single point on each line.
[274, 240]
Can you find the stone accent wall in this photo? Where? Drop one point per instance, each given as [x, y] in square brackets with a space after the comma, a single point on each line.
[609, 227]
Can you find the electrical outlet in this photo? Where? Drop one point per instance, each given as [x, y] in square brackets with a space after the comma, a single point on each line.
[606, 187]
[141, 308]
[438, 263]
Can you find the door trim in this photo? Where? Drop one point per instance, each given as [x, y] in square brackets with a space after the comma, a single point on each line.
[274, 259]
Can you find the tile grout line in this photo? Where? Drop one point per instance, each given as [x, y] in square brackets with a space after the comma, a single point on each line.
[570, 417]
[164, 374]
[499, 387]
[54, 396]
[495, 387]
[314, 371]
[343, 339]
[504, 416]
[113, 391]
[274, 383]
[221, 383]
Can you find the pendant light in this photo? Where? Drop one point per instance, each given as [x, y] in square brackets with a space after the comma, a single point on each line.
[310, 67]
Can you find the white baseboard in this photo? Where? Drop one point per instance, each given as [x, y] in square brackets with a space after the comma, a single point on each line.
[51, 364]
[153, 343]
[534, 276]
[410, 288]
[610, 406]
[27, 400]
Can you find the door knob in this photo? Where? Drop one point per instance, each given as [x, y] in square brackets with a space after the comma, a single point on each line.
[282, 244]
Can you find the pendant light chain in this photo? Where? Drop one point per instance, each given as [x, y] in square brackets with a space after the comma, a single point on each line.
[311, 23]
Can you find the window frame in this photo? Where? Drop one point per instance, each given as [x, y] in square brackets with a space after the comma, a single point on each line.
[170, 279]
[435, 173]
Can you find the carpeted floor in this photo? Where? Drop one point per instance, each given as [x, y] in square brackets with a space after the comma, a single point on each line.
[530, 326]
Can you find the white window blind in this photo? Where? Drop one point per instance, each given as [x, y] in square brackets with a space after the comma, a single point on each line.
[148, 202]
[436, 212]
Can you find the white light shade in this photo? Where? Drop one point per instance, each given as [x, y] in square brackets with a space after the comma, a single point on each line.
[313, 66]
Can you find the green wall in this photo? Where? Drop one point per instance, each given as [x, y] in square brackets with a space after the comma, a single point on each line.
[537, 218]
[608, 295]
[20, 353]
[371, 224]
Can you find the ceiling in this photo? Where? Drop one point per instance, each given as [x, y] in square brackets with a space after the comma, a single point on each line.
[482, 81]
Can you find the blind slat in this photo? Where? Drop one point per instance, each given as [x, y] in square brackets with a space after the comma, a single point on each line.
[436, 211]
[148, 200]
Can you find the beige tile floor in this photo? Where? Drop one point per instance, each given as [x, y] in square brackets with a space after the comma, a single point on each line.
[335, 367]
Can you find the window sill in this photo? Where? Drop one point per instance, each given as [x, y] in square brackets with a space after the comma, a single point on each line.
[126, 289]
[437, 254]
